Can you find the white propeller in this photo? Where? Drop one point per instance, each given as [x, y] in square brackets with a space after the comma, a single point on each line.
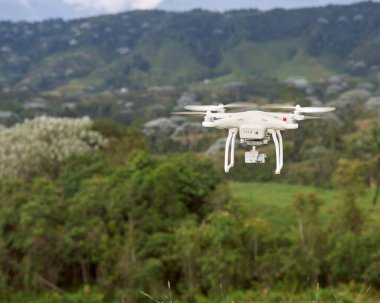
[189, 113]
[313, 110]
[220, 107]
[208, 113]
[302, 117]
[278, 106]
[299, 109]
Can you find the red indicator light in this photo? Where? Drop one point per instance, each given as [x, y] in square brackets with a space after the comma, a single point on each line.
[284, 119]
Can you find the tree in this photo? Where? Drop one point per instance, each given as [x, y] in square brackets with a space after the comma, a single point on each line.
[31, 228]
[372, 146]
[350, 180]
[309, 230]
[38, 147]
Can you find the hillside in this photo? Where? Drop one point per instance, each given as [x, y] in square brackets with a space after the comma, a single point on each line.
[147, 48]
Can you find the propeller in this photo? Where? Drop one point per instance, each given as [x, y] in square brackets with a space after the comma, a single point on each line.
[278, 106]
[241, 105]
[201, 114]
[189, 113]
[302, 117]
[205, 108]
[312, 117]
[314, 110]
[299, 109]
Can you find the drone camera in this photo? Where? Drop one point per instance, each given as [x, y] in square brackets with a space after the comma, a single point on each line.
[254, 156]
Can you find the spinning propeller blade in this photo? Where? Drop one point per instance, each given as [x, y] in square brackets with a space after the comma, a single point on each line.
[309, 118]
[278, 106]
[313, 117]
[299, 109]
[314, 110]
[241, 105]
[189, 113]
[205, 108]
[200, 114]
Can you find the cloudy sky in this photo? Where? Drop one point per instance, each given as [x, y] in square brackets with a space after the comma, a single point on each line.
[43, 9]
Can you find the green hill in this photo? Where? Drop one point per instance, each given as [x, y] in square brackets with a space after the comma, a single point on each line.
[146, 48]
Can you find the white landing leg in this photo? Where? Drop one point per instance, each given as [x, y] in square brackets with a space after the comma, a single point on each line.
[278, 164]
[281, 148]
[229, 153]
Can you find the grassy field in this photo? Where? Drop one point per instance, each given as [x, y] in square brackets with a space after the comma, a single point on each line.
[275, 202]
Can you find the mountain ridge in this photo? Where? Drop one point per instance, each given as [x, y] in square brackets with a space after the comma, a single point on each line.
[145, 48]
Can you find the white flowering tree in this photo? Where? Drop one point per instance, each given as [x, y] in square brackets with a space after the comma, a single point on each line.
[40, 145]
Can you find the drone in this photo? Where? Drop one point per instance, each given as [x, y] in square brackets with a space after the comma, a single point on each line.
[255, 127]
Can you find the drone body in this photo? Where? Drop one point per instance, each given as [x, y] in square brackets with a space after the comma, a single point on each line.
[255, 128]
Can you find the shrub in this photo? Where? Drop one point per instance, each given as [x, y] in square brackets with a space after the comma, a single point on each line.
[39, 146]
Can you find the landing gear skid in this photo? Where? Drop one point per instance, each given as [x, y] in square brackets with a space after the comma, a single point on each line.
[277, 139]
[229, 154]
[254, 156]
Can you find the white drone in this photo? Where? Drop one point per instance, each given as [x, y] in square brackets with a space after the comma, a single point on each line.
[254, 127]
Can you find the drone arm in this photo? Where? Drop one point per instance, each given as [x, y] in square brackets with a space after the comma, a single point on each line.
[229, 155]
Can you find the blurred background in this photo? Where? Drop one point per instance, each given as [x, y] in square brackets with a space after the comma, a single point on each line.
[106, 197]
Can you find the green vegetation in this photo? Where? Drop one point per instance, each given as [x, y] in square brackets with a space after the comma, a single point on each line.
[118, 223]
